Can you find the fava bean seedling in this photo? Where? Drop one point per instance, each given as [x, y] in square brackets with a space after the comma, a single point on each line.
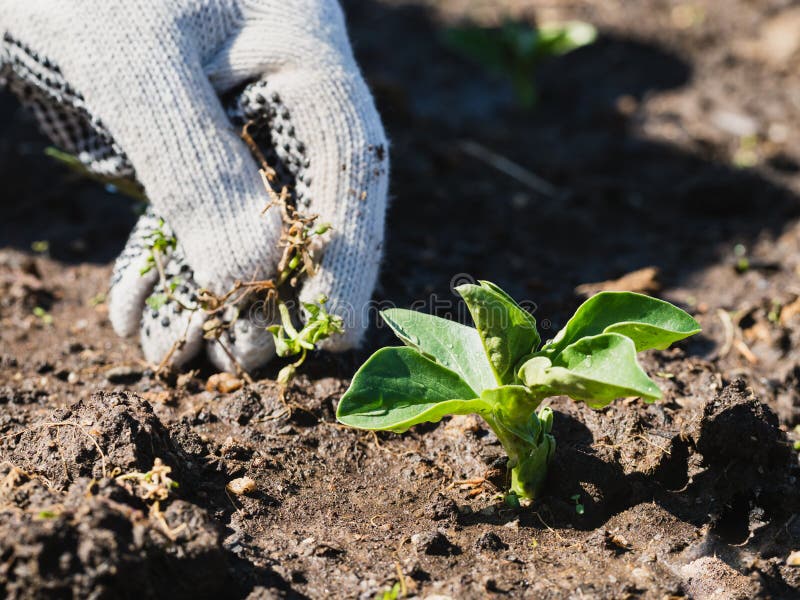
[500, 371]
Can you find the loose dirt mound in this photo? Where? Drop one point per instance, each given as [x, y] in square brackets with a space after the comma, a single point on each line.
[72, 523]
[92, 438]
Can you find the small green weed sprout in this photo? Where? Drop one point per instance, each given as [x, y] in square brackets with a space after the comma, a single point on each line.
[98, 299]
[47, 514]
[40, 246]
[500, 370]
[159, 244]
[392, 593]
[579, 508]
[155, 486]
[515, 50]
[45, 317]
[320, 325]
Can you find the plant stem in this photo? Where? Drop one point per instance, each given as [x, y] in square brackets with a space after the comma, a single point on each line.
[529, 456]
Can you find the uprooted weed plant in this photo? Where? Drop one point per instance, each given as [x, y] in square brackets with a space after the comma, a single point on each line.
[500, 370]
[301, 237]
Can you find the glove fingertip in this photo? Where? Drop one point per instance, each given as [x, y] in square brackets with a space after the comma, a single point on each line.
[249, 347]
[348, 340]
[133, 277]
[126, 297]
[172, 334]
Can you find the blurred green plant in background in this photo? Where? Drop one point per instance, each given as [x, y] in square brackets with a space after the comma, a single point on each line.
[515, 50]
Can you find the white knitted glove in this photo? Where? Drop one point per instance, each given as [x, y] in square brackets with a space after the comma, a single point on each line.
[132, 88]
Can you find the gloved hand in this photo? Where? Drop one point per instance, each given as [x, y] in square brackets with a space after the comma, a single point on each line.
[132, 89]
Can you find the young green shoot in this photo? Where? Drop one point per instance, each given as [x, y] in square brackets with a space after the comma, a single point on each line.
[159, 244]
[154, 485]
[500, 370]
[45, 317]
[320, 325]
[98, 299]
[576, 498]
[40, 246]
[392, 593]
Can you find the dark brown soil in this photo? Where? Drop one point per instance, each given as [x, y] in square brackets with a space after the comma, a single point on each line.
[670, 141]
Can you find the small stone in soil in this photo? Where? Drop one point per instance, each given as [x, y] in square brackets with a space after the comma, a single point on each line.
[74, 347]
[223, 383]
[616, 542]
[123, 374]
[490, 541]
[442, 508]
[241, 485]
[434, 543]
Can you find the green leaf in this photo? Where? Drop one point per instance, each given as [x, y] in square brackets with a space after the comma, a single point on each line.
[507, 331]
[282, 345]
[518, 47]
[649, 322]
[546, 419]
[156, 301]
[398, 387]
[524, 314]
[319, 326]
[451, 344]
[560, 38]
[594, 369]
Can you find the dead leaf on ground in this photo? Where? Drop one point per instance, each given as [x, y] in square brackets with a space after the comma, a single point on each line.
[643, 281]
